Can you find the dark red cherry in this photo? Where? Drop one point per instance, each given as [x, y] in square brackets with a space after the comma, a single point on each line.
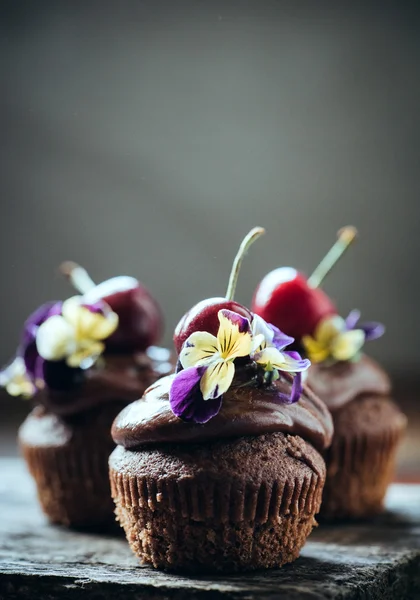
[203, 317]
[295, 304]
[285, 299]
[140, 319]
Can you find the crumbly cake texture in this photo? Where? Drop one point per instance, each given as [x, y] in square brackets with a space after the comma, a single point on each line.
[68, 459]
[361, 460]
[226, 505]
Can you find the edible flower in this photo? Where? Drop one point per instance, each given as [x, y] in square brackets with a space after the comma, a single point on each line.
[69, 334]
[27, 350]
[202, 349]
[338, 339]
[273, 357]
[76, 335]
[270, 351]
[15, 380]
[208, 364]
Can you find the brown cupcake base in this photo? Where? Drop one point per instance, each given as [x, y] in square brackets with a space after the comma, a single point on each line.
[68, 459]
[231, 505]
[361, 459]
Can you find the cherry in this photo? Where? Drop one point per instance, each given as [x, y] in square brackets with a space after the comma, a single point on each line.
[293, 303]
[203, 316]
[140, 319]
[285, 299]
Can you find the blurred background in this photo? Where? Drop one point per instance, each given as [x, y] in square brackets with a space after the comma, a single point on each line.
[146, 138]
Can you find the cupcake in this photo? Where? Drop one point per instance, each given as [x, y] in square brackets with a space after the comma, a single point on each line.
[368, 425]
[219, 467]
[81, 364]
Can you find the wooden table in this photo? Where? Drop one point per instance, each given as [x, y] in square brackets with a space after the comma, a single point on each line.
[37, 560]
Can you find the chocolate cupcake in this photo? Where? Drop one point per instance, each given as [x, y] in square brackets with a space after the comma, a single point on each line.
[74, 362]
[368, 427]
[367, 424]
[219, 467]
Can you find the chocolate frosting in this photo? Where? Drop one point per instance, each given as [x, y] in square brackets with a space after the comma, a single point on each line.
[246, 410]
[115, 377]
[342, 382]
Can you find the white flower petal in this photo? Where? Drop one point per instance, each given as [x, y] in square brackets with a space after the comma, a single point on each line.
[260, 328]
[328, 329]
[348, 344]
[70, 310]
[55, 338]
[273, 358]
[15, 379]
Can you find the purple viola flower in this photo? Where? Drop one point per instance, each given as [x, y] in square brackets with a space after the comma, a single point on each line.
[268, 351]
[372, 329]
[186, 399]
[27, 349]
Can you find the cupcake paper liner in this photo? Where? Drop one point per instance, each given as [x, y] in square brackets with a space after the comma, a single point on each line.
[68, 460]
[360, 467]
[205, 522]
[72, 483]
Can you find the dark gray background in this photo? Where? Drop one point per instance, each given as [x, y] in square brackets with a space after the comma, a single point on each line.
[146, 138]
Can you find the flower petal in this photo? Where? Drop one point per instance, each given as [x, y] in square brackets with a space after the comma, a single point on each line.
[267, 356]
[284, 361]
[328, 329]
[217, 379]
[96, 326]
[88, 323]
[280, 339]
[98, 307]
[235, 319]
[55, 338]
[297, 388]
[31, 358]
[15, 379]
[372, 330]
[199, 349]
[234, 335]
[40, 315]
[85, 356]
[27, 347]
[260, 330]
[70, 310]
[348, 344]
[296, 363]
[352, 319]
[317, 352]
[186, 400]
[272, 335]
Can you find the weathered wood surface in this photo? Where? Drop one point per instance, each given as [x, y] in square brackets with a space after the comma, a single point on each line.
[381, 560]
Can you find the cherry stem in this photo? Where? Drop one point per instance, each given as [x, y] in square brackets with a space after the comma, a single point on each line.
[345, 237]
[77, 276]
[243, 248]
